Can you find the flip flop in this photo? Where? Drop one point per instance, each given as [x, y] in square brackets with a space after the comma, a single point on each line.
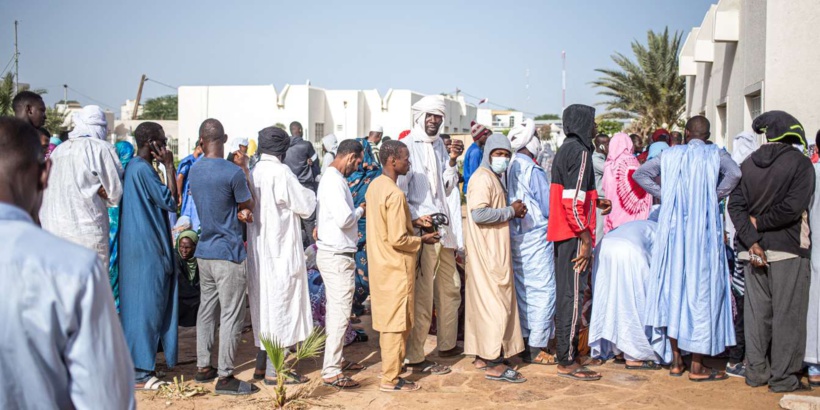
[714, 376]
[543, 358]
[206, 376]
[353, 367]
[152, 384]
[402, 385]
[429, 366]
[574, 375]
[509, 375]
[343, 383]
[505, 362]
[645, 365]
[814, 383]
[291, 378]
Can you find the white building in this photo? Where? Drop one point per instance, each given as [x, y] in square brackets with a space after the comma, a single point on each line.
[499, 120]
[127, 110]
[68, 109]
[752, 56]
[244, 110]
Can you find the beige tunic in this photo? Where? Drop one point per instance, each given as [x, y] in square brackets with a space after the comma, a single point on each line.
[392, 250]
[491, 319]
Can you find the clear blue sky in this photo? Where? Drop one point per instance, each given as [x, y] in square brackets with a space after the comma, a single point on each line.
[100, 48]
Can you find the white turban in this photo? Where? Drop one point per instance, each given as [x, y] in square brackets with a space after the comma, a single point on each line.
[89, 122]
[432, 104]
[376, 128]
[331, 143]
[521, 135]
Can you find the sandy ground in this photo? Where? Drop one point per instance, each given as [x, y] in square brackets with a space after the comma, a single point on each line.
[466, 388]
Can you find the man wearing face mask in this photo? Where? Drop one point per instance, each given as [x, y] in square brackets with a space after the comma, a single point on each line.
[573, 200]
[532, 255]
[337, 222]
[277, 274]
[433, 175]
[86, 179]
[491, 330]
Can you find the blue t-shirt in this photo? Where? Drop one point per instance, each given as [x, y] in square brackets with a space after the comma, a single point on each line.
[217, 186]
[472, 160]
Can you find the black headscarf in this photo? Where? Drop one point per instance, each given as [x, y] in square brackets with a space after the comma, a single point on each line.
[780, 126]
[579, 120]
[273, 141]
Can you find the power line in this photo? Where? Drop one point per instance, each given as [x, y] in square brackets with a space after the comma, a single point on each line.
[93, 99]
[497, 105]
[161, 83]
[7, 66]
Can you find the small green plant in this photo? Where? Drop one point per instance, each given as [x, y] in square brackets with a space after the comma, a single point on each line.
[284, 363]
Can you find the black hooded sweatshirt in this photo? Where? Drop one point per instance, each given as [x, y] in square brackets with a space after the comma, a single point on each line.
[572, 190]
[776, 188]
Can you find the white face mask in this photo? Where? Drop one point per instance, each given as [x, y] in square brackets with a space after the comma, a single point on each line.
[499, 164]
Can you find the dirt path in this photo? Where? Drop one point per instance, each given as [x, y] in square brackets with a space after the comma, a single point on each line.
[466, 388]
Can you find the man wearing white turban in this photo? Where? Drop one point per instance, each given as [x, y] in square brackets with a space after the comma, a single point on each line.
[433, 175]
[85, 180]
[533, 260]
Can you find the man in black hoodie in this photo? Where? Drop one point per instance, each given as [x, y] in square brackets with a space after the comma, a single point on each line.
[573, 199]
[770, 211]
[302, 159]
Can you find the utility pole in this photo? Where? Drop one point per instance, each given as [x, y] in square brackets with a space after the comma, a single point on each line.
[563, 80]
[139, 95]
[16, 62]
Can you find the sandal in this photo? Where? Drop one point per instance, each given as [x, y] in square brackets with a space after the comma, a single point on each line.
[590, 362]
[714, 376]
[814, 383]
[509, 375]
[542, 358]
[430, 367]
[505, 362]
[291, 378]
[402, 385]
[353, 366]
[682, 368]
[645, 365]
[582, 374]
[207, 376]
[234, 387]
[342, 383]
[152, 384]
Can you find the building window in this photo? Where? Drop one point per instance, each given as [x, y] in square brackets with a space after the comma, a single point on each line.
[754, 106]
[319, 130]
[512, 121]
[721, 125]
[340, 128]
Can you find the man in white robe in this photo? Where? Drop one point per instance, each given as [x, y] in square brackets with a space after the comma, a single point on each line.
[277, 276]
[86, 179]
[433, 175]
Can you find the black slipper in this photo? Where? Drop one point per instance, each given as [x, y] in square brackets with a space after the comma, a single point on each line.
[714, 376]
[646, 365]
[577, 375]
[509, 375]
[233, 387]
[206, 376]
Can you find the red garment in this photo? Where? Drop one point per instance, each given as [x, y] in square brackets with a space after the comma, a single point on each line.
[572, 193]
[642, 157]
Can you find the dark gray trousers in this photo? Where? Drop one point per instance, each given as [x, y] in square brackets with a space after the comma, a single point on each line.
[777, 299]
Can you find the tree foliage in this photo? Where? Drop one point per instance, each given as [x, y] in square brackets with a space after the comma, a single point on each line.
[160, 108]
[547, 117]
[6, 94]
[609, 127]
[54, 121]
[647, 89]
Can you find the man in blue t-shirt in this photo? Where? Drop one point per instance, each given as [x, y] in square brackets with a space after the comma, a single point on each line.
[472, 159]
[223, 200]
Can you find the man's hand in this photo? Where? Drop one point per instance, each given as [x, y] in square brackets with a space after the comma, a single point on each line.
[582, 261]
[162, 155]
[605, 205]
[430, 238]
[456, 148]
[754, 221]
[240, 159]
[245, 216]
[363, 205]
[315, 234]
[757, 256]
[423, 222]
[101, 192]
[519, 208]
[310, 162]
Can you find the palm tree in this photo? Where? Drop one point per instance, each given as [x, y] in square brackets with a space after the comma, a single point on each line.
[7, 94]
[283, 363]
[161, 108]
[648, 89]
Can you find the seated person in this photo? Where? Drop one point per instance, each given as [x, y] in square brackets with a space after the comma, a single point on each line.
[187, 272]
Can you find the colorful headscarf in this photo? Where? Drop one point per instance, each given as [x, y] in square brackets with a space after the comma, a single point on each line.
[629, 201]
[125, 151]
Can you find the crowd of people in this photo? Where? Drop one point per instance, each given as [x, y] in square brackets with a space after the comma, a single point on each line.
[675, 255]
